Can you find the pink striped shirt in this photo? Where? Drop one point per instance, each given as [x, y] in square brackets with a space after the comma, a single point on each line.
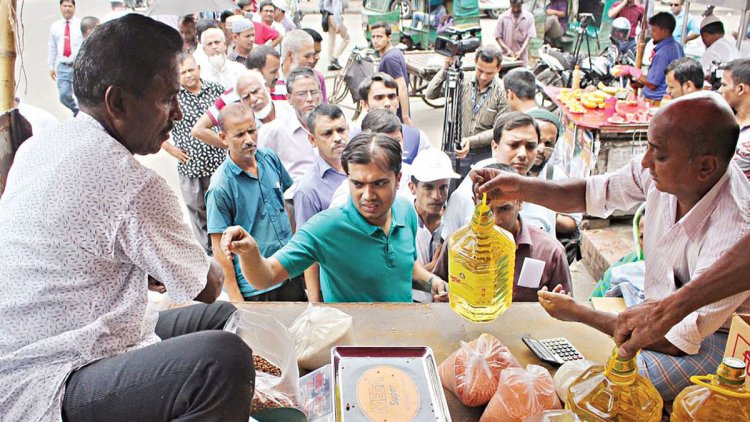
[677, 252]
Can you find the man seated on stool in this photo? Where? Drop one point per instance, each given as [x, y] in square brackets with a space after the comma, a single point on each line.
[531, 243]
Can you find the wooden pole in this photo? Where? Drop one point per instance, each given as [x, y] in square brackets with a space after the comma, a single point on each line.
[641, 46]
[7, 54]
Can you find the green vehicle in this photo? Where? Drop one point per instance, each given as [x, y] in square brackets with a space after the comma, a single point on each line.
[420, 35]
[597, 31]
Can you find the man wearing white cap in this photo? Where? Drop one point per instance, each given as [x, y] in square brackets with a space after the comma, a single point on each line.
[280, 16]
[718, 48]
[430, 179]
[244, 37]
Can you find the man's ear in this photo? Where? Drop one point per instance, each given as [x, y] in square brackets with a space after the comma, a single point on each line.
[223, 137]
[398, 179]
[520, 205]
[707, 166]
[365, 107]
[115, 102]
[312, 140]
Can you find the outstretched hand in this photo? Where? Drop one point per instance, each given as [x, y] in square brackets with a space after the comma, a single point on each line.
[236, 240]
[558, 303]
[498, 184]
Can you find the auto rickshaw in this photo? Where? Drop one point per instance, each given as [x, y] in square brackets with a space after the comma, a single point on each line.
[421, 34]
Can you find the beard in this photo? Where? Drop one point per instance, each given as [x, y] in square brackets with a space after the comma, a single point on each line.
[217, 61]
[265, 111]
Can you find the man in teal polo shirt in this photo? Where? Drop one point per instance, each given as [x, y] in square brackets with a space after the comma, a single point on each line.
[366, 248]
[248, 190]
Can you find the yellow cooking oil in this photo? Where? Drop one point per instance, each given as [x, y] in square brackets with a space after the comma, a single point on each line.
[719, 397]
[481, 257]
[614, 392]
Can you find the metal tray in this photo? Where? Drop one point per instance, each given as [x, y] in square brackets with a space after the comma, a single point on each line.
[387, 384]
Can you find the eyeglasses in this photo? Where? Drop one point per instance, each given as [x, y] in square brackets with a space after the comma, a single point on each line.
[302, 95]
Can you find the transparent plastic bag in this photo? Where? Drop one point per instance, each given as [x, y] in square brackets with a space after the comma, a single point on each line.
[316, 331]
[473, 371]
[567, 373]
[562, 415]
[521, 394]
[270, 340]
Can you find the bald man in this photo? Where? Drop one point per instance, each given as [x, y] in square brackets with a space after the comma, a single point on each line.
[697, 205]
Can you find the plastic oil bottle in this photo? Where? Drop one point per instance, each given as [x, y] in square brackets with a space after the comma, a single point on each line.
[577, 78]
[481, 257]
[614, 392]
[720, 397]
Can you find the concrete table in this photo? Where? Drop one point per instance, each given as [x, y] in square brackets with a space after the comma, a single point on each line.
[437, 326]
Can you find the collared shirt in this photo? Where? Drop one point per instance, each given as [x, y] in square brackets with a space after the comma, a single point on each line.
[289, 140]
[276, 26]
[560, 6]
[428, 243]
[742, 156]
[264, 33]
[477, 127]
[56, 42]
[237, 197]
[515, 31]
[530, 243]
[315, 190]
[722, 50]
[235, 57]
[204, 158]
[544, 218]
[226, 77]
[678, 251]
[358, 262]
[692, 26]
[633, 13]
[665, 52]
[393, 63]
[82, 223]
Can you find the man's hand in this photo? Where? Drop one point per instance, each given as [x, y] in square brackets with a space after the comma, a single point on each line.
[439, 289]
[464, 151]
[558, 303]
[53, 75]
[236, 240]
[156, 286]
[640, 326]
[498, 184]
[449, 62]
[180, 154]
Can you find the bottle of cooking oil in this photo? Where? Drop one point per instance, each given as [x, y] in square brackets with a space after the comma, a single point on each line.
[720, 397]
[481, 257]
[577, 78]
[614, 392]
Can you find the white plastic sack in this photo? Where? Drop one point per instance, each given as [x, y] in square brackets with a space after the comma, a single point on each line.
[316, 331]
[269, 339]
[567, 373]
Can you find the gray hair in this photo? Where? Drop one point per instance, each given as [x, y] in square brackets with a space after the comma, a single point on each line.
[298, 73]
[292, 40]
[210, 31]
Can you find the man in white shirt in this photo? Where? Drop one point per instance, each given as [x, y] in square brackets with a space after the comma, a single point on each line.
[718, 48]
[77, 338]
[65, 38]
[219, 70]
[265, 15]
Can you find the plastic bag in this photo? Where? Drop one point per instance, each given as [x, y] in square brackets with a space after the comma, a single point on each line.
[568, 373]
[316, 331]
[473, 371]
[270, 340]
[521, 394]
[563, 415]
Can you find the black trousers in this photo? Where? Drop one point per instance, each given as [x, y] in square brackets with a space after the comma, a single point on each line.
[197, 373]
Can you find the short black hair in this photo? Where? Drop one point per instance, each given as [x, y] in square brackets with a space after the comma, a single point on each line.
[300, 72]
[740, 69]
[127, 52]
[242, 3]
[489, 54]
[331, 111]
[366, 84]
[69, 1]
[715, 28]
[314, 34]
[663, 20]
[513, 120]
[257, 57]
[381, 24]
[687, 69]
[225, 15]
[367, 147]
[521, 82]
[381, 121]
[265, 3]
[204, 24]
[89, 23]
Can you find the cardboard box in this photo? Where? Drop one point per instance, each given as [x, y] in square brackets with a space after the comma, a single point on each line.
[738, 342]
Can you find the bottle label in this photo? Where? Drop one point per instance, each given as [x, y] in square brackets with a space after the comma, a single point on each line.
[477, 288]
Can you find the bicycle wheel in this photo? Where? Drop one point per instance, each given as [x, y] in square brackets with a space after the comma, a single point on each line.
[339, 91]
[436, 103]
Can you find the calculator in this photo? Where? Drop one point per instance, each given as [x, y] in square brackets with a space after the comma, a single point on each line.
[554, 351]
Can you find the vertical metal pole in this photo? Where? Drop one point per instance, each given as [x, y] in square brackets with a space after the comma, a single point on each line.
[685, 18]
[7, 54]
[743, 29]
[641, 46]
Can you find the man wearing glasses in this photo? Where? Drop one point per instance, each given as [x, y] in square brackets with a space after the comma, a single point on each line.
[288, 138]
[679, 16]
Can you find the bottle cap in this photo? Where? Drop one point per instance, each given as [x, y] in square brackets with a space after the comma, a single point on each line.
[731, 371]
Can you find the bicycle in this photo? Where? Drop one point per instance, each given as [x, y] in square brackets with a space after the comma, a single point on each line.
[362, 62]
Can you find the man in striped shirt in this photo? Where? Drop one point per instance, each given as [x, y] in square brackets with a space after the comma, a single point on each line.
[697, 202]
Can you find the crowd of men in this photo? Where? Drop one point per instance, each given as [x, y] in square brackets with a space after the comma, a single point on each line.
[281, 187]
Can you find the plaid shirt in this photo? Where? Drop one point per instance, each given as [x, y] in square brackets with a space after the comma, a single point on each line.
[476, 126]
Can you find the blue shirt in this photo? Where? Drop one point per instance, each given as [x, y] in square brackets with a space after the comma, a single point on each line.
[393, 63]
[665, 52]
[358, 262]
[692, 26]
[238, 198]
[315, 190]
